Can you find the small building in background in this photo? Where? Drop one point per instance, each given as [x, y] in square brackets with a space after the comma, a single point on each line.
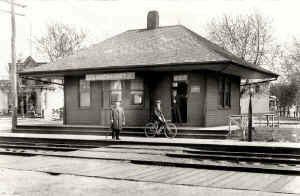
[260, 99]
[37, 97]
[273, 104]
[4, 93]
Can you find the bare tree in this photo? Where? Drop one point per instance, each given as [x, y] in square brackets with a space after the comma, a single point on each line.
[247, 36]
[296, 50]
[60, 40]
[292, 66]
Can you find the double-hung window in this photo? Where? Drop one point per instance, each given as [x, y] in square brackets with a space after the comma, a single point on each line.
[85, 93]
[227, 92]
[224, 91]
[115, 91]
[221, 90]
[137, 91]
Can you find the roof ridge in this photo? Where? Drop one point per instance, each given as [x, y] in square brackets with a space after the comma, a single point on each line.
[224, 53]
[143, 47]
[223, 50]
[160, 27]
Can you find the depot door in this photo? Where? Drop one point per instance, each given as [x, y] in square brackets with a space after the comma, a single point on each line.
[180, 98]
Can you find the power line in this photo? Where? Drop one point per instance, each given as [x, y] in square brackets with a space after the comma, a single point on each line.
[16, 4]
[5, 11]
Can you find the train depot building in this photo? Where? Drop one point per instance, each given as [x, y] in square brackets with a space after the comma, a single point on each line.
[197, 81]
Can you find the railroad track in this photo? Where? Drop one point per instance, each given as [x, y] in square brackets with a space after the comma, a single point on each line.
[250, 161]
[44, 146]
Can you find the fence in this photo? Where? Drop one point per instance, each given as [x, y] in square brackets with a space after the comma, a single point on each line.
[268, 119]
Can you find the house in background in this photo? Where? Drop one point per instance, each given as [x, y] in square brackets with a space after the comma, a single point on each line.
[197, 81]
[4, 93]
[37, 97]
[260, 99]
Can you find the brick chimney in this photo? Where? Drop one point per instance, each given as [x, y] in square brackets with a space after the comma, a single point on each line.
[152, 20]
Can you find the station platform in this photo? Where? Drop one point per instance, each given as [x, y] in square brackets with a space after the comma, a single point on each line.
[229, 155]
[156, 140]
[191, 132]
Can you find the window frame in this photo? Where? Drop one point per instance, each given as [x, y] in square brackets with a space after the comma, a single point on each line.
[221, 91]
[112, 91]
[80, 93]
[137, 91]
[224, 91]
[227, 92]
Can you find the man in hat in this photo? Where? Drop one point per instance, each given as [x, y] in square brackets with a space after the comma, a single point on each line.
[117, 120]
[158, 115]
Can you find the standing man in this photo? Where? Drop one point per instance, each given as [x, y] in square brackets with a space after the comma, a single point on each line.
[117, 120]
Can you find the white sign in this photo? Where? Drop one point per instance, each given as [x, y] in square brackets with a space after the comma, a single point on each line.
[195, 89]
[111, 76]
[182, 77]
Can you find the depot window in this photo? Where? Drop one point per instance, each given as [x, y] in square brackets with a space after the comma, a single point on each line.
[227, 92]
[224, 91]
[85, 93]
[137, 91]
[115, 91]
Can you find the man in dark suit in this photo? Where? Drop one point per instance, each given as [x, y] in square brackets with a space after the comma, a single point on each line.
[117, 120]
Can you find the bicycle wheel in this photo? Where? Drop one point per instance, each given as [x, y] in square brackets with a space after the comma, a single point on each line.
[150, 130]
[170, 130]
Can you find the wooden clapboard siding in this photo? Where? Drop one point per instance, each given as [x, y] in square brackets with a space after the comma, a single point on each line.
[211, 99]
[196, 100]
[81, 115]
[99, 111]
[216, 115]
[203, 109]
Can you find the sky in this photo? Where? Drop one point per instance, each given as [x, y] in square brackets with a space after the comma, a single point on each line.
[105, 18]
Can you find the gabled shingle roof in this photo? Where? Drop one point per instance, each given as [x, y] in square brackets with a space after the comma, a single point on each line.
[142, 47]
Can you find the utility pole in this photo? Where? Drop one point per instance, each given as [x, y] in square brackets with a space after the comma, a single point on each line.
[13, 68]
[13, 71]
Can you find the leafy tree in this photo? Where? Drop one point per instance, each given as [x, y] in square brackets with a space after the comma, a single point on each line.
[291, 66]
[60, 40]
[286, 93]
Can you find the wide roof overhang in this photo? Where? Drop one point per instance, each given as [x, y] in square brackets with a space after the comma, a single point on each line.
[230, 68]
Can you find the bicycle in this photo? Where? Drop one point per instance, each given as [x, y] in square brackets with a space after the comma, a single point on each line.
[169, 129]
